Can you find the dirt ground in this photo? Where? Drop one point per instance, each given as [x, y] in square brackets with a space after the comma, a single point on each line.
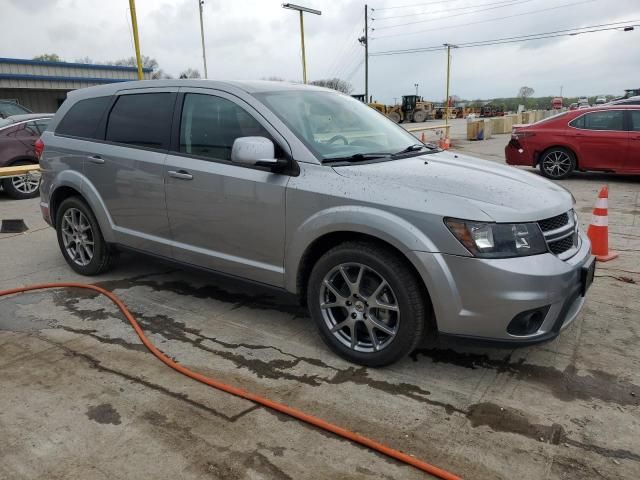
[81, 398]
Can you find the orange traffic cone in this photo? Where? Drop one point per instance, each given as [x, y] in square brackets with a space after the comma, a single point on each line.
[422, 138]
[598, 230]
[444, 143]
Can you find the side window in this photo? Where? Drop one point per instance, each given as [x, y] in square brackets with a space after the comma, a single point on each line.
[83, 118]
[142, 119]
[210, 125]
[635, 120]
[608, 120]
[42, 125]
[577, 122]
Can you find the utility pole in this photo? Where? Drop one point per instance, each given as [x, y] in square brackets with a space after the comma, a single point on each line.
[447, 108]
[204, 55]
[416, 85]
[366, 54]
[136, 41]
[300, 9]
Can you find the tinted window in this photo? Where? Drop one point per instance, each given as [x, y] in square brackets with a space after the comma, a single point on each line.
[142, 119]
[210, 125]
[83, 118]
[609, 120]
[9, 108]
[635, 120]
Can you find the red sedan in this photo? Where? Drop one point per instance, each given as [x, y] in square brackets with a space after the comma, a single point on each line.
[605, 138]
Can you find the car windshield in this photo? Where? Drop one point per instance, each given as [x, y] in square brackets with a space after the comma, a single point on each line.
[9, 108]
[335, 126]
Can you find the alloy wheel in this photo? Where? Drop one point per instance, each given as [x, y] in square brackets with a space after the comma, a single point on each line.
[359, 307]
[557, 163]
[27, 183]
[77, 236]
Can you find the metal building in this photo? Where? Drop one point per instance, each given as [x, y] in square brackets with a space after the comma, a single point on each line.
[42, 86]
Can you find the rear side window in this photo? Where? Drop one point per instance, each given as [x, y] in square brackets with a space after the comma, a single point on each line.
[142, 119]
[83, 118]
[608, 120]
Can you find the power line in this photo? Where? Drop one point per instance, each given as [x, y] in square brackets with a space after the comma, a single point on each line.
[489, 20]
[377, 19]
[512, 4]
[415, 5]
[516, 39]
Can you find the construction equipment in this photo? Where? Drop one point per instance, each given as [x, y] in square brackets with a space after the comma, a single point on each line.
[381, 107]
[412, 109]
[490, 110]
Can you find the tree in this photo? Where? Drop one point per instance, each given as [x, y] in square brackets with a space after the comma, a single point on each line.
[190, 73]
[147, 62]
[334, 83]
[86, 60]
[525, 92]
[49, 57]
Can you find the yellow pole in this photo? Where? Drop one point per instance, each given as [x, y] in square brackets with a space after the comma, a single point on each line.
[136, 41]
[304, 59]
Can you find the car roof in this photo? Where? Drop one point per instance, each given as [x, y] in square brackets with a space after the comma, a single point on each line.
[249, 86]
[609, 106]
[622, 101]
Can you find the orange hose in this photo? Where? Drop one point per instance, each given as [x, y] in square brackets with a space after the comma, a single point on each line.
[279, 407]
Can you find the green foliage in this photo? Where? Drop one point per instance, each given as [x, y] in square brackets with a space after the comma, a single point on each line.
[49, 57]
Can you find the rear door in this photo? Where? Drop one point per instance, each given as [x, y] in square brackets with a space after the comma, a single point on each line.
[602, 142]
[127, 168]
[633, 159]
[224, 216]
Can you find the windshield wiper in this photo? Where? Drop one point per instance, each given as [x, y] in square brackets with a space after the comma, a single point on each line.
[357, 157]
[415, 148]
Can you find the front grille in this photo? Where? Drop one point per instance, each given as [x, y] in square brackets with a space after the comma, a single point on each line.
[561, 234]
[554, 223]
[561, 246]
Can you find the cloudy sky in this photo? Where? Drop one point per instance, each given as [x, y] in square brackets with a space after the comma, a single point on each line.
[249, 39]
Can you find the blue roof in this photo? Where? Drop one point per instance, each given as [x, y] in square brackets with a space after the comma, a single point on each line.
[55, 78]
[24, 61]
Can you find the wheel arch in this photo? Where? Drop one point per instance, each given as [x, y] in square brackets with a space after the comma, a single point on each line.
[558, 145]
[316, 249]
[22, 158]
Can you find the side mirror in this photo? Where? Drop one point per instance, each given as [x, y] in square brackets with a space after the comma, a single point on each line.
[253, 151]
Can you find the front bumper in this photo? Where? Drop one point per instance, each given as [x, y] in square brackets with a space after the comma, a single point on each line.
[478, 298]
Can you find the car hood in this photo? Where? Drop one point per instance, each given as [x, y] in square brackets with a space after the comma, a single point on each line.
[504, 193]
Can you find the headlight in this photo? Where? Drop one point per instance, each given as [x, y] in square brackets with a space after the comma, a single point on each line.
[498, 240]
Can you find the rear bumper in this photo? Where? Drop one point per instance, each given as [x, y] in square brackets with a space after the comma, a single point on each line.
[517, 154]
[478, 298]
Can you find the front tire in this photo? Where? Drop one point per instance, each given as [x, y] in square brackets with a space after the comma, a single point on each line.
[557, 163]
[367, 303]
[80, 239]
[22, 186]
[419, 116]
[394, 117]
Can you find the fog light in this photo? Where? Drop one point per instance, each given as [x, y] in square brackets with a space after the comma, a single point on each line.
[527, 322]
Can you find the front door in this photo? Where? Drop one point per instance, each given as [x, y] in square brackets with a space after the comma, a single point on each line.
[224, 216]
[601, 139]
[633, 160]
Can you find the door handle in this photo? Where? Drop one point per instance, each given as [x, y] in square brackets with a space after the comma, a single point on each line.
[181, 174]
[96, 159]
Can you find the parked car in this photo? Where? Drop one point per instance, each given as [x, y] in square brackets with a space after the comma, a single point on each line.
[605, 138]
[601, 100]
[573, 106]
[311, 191]
[626, 101]
[7, 109]
[18, 135]
[582, 106]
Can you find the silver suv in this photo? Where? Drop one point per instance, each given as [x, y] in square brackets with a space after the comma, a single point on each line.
[311, 191]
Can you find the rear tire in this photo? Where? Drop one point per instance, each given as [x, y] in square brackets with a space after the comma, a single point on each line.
[22, 186]
[362, 288]
[80, 239]
[557, 163]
